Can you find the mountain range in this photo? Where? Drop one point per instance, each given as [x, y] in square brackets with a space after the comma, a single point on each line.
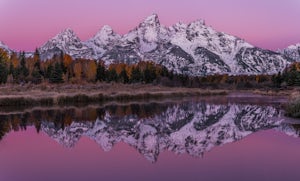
[193, 49]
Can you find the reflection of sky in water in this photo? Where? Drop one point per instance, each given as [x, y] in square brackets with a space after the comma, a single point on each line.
[188, 128]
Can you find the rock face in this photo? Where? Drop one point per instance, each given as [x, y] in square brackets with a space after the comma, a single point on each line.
[193, 49]
[185, 128]
[292, 52]
[66, 42]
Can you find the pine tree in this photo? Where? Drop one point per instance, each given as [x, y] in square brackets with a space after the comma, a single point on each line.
[3, 71]
[277, 79]
[136, 75]
[149, 75]
[23, 72]
[100, 75]
[49, 71]
[164, 72]
[56, 75]
[36, 76]
[11, 68]
[112, 75]
[297, 79]
[123, 77]
[37, 73]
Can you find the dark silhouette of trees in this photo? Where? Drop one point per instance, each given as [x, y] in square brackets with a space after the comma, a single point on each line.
[56, 74]
[100, 72]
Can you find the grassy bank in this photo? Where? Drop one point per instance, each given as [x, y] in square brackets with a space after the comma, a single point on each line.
[50, 95]
[292, 109]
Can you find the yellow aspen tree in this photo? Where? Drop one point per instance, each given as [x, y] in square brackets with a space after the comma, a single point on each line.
[91, 71]
[78, 70]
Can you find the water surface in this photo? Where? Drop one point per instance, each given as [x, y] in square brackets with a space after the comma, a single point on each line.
[217, 138]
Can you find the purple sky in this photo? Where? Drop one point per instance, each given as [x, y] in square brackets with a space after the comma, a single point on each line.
[27, 24]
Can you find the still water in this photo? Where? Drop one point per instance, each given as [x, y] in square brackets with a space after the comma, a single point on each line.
[219, 138]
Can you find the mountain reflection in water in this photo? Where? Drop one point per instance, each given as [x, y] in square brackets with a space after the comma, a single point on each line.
[188, 127]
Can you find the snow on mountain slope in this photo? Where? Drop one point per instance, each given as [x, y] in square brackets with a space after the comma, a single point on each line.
[66, 42]
[197, 35]
[194, 49]
[103, 40]
[292, 52]
[259, 61]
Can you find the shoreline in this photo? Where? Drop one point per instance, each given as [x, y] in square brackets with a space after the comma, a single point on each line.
[59, 95]
[29, 95]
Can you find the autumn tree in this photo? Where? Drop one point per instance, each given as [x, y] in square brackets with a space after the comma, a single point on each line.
[91, 70]
[4, 56]
[77, 71]
[14, 59]
[67, 62]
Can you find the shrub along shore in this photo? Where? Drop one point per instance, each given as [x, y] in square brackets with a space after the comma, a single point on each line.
[31, 95]
[292, 109]
[50, 95]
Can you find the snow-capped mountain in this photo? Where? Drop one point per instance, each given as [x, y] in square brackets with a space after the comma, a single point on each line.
[68, 43]
[292, 52]
[193, 49]
[103, 41]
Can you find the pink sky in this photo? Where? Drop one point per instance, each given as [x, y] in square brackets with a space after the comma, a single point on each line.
[25, 25]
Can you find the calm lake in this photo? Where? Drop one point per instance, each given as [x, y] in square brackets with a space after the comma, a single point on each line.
[214, 138]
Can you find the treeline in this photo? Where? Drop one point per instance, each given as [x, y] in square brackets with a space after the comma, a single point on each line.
[17, 68]
[289, 77]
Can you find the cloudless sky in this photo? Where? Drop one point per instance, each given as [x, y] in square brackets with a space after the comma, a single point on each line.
[27, 24]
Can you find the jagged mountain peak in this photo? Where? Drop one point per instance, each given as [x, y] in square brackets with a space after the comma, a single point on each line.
[103, 39]
[292, 52]
[67, 42]
[66, 35]
[151, 20]
[105, 33]
[180, 26]
[67, 31]
[295, 46]
[198, 22]
[107, 29]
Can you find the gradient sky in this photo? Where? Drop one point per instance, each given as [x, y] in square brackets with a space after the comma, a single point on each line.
[27, 24]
